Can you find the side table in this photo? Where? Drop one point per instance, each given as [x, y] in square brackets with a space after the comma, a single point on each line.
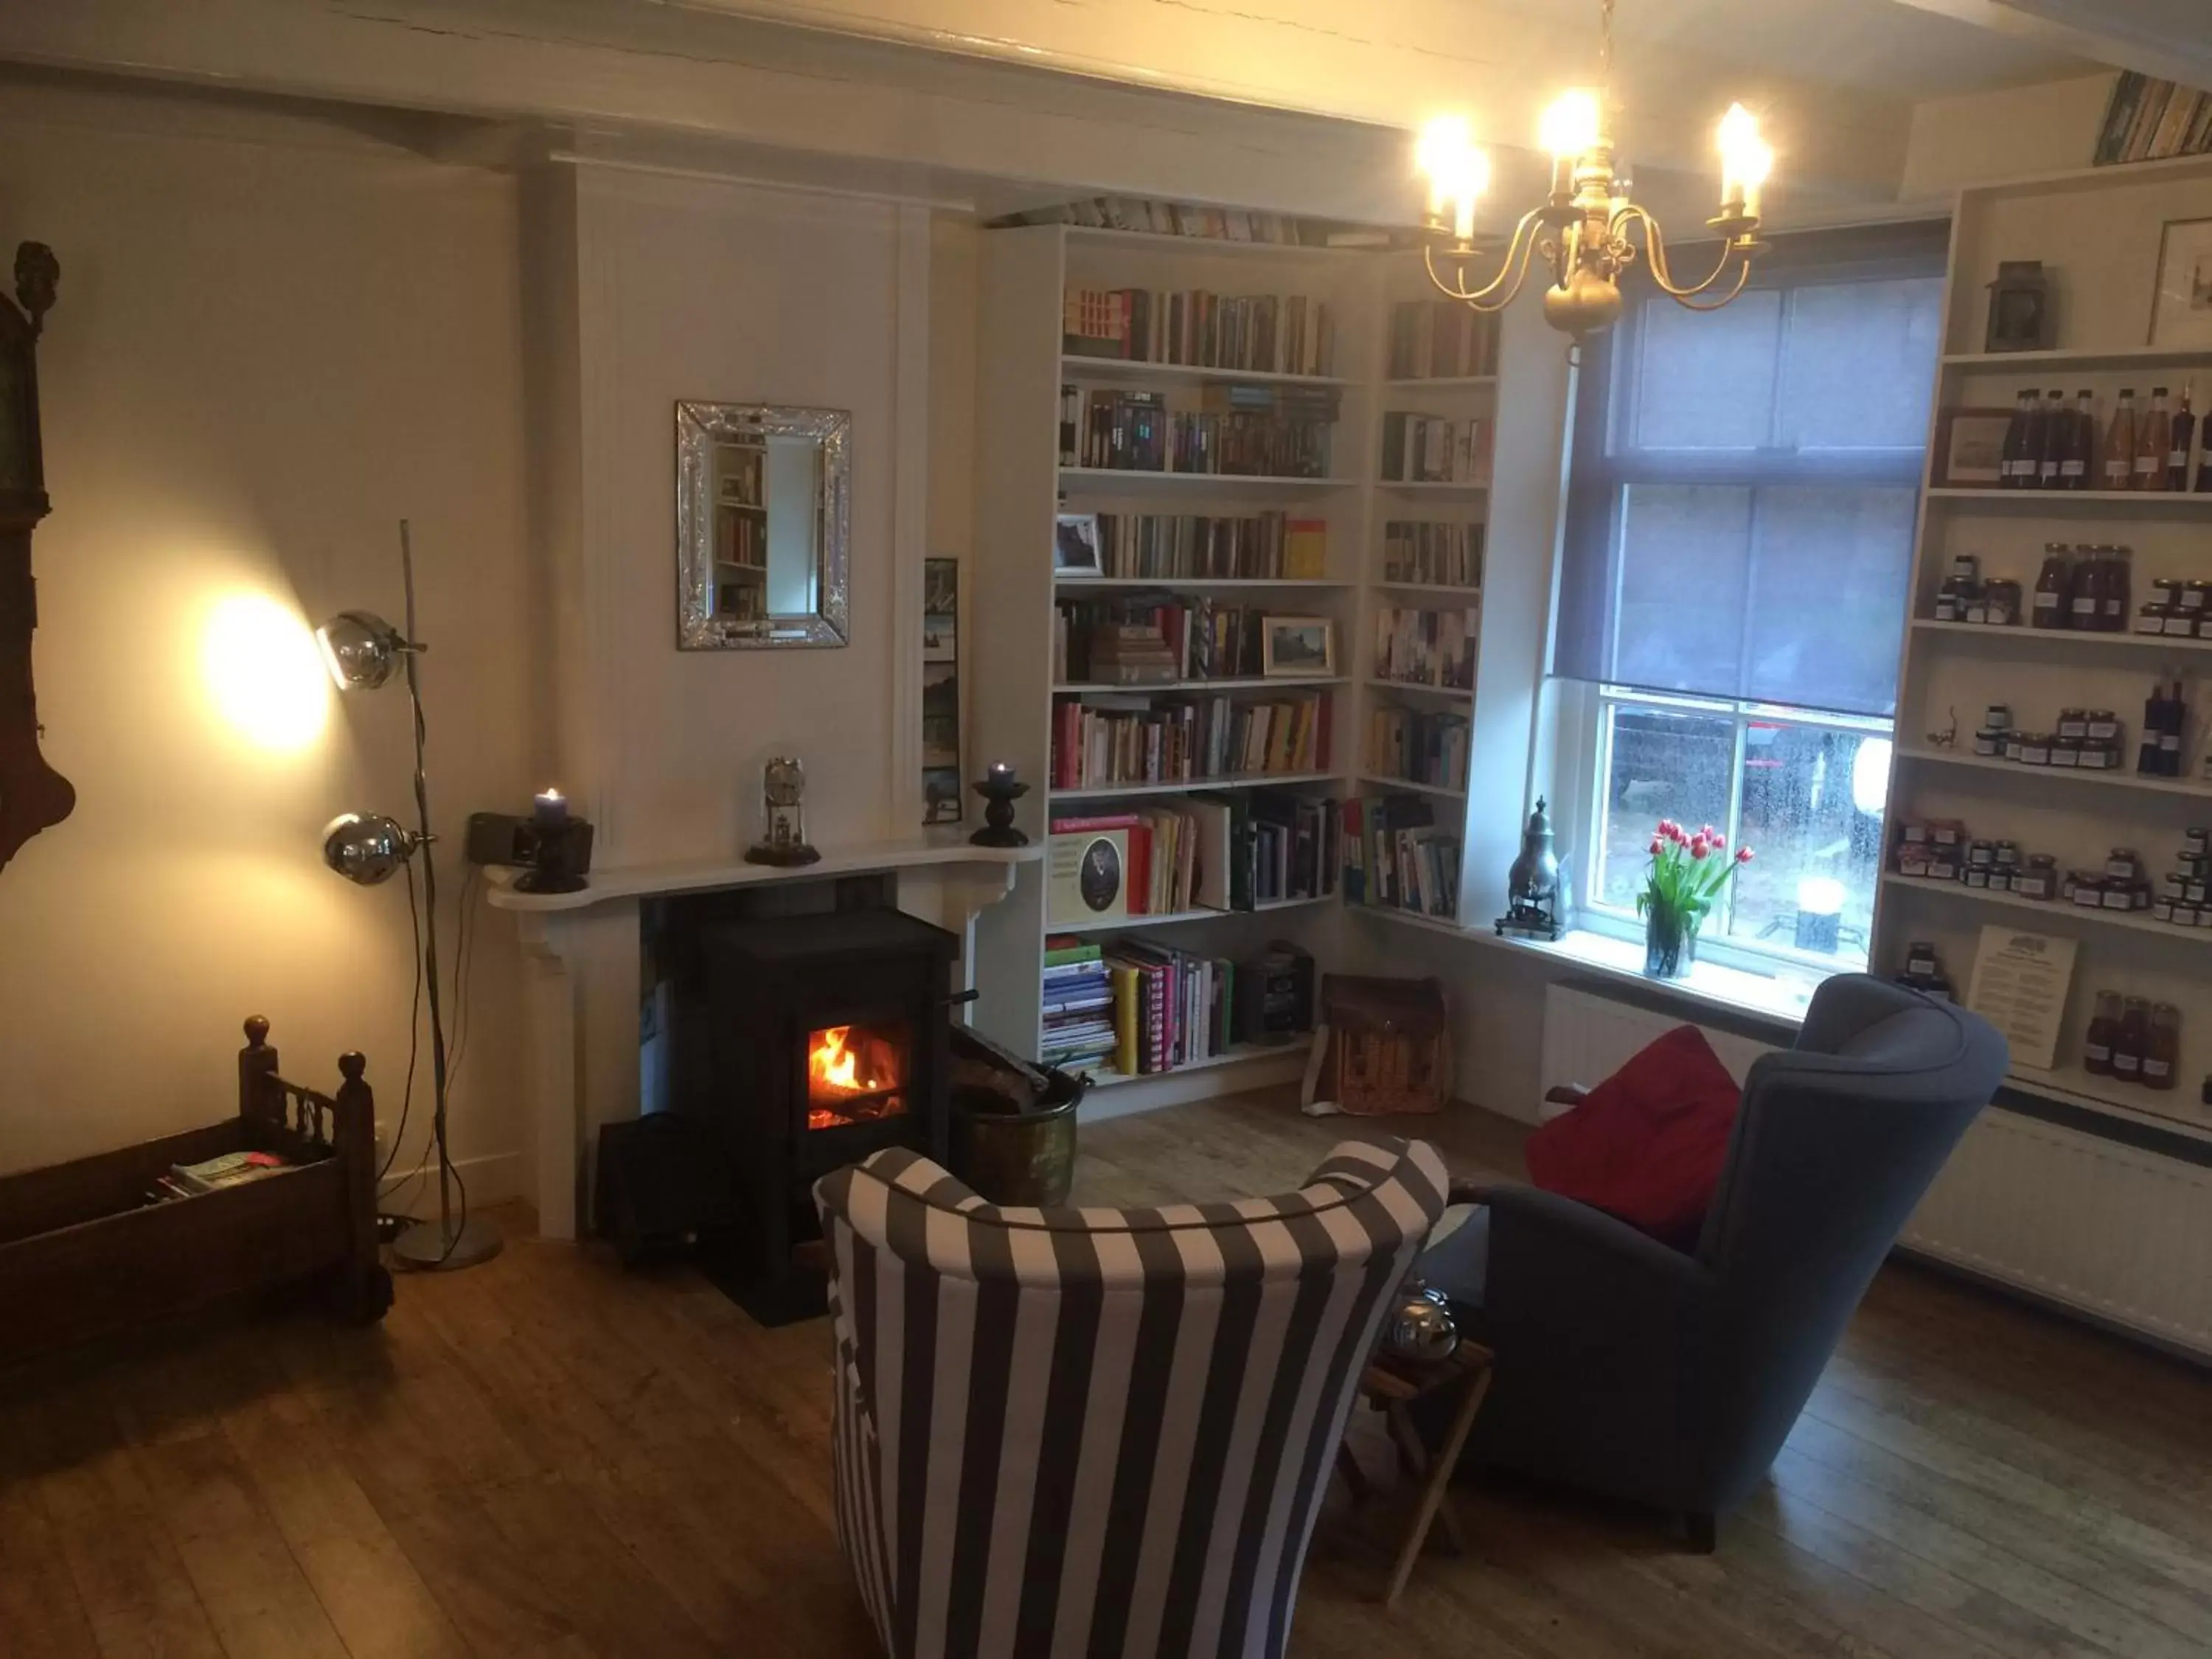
[1392, 1384]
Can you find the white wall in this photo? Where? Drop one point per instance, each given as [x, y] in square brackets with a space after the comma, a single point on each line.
[2049, 128]
[273, 340]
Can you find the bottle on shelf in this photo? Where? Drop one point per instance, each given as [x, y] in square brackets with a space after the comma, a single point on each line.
[2052, 439]
[2118, 603]
[2085, 605]
[2184, 437]
[2053, 589]
[2081, 442]
[2132, 1041]
[2104, 1031]
[2153, 441]
[2120, 443]
[2162, 1053]
[2022, 452]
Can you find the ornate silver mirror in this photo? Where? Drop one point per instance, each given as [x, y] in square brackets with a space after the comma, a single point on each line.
[763, 517]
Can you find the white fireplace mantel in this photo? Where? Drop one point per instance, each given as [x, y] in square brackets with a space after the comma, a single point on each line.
[586, 979]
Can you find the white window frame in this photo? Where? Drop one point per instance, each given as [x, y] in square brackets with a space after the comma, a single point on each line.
[1589, 732]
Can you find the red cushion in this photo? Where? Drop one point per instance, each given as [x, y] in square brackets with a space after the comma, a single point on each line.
[1647, 1144]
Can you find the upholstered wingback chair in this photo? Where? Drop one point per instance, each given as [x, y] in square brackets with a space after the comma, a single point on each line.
[1093, 1431]
[1629, 1367]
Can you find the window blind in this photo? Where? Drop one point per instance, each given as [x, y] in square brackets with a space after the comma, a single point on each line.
[1743, 484]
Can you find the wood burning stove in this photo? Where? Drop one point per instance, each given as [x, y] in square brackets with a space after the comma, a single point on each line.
[805, 1043]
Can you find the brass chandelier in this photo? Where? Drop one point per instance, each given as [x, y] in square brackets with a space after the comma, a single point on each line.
[1583, 231]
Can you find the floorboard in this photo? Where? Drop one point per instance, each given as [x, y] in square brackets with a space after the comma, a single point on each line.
[545, 1458]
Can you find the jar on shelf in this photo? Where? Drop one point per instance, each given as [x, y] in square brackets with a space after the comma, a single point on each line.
[1966, 568]
[2198, 840]
[2183, 915]
[2161, 909]
[2013, 741]
[2131, 1041]
[2003, 598]
[1981, 854]
[2121, 894]
[2162, 1061]
[2073, 723]
[2166, 590]
[2038, 878]
[2196, 890]
[2155, 616]
[2102, 726]
[1920, 960]
[1989, 743]
[2182, 624]
[1951, 600]
[2066, 752]
[2052, 605]
[2104, 1031]
[2034, 748]
[2007, 855]
[2195, 597]
[1997, 717]
[2123, 862]
[2088, 890]
[1975, 875]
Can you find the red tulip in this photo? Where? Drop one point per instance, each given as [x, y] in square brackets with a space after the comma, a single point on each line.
[1710, 833]
[1699, 846]
[1743, 856]
[1719, 839]
[1666, 828]
[1658, 844]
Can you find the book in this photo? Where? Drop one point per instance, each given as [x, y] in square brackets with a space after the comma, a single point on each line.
[228, 1169]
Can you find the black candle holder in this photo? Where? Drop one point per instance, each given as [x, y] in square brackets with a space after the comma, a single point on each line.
[560, 856]
[1001, 791]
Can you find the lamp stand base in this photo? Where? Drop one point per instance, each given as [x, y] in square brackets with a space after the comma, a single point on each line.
[427, 1245]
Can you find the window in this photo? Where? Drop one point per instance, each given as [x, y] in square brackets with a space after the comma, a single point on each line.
[1740, 523]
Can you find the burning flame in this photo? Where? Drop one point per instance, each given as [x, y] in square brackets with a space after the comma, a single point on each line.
[833, 1068]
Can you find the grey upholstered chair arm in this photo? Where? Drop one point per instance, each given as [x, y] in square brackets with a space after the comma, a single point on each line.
[1555, 1261]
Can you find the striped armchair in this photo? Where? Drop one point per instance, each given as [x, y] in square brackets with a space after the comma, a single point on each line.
[1079, 1431]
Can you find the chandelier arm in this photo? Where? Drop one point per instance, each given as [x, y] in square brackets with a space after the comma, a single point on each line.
[1511, 274]
[1655, 257]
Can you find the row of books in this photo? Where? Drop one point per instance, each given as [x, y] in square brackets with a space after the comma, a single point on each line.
[741, 538]
[1149, 639]
[1208, 224]
[1427, 551]
[1434, 449]
[1396, 858]
[1440, 339]
[1162, 546]
[1257, 333]
[2148, 120]
[1077, 1003]
[1418, 746]
[1170, 1007]
[1101, 741]
[1417, 646]
[1228, 852]
[1237, 431]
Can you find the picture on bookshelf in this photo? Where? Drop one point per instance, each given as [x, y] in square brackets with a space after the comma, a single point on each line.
[1075, 544]
[2181, 315]
[1971, 449]
[941, 794]
[1297, 645]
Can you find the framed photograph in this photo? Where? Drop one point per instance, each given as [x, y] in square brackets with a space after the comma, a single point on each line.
[1297, 645]
[942, 797]
[1970, 448]
[2181, 310]
[1075, 545]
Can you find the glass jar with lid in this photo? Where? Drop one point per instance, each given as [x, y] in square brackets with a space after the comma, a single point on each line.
[2104, 1031]
[2051, 606]
[2131, 1040]
[2161, 1058]
[2003, 598]
[2038, 878]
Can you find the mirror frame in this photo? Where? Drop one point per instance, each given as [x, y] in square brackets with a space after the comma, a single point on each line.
[699, 427]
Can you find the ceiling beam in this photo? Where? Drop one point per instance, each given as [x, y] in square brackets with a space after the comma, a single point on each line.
[2170, 39]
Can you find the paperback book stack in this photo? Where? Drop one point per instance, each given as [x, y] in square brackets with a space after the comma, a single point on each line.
[1434, 554]
[1440, 339]
[1259, 333]
[1434, 449]
[1159, 546]
[1418, 747]
[1170, 1007]
[213, 1175]
[1420, 646]
[2150, 120]
[1077, 1003]
[1104, 739]
[1396, 858]
[1236, 430]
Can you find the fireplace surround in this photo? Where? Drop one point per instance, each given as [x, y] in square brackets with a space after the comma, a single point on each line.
[803, 1043]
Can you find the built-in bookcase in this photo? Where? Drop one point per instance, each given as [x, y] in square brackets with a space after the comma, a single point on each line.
[2100, 231]
[1023, 486]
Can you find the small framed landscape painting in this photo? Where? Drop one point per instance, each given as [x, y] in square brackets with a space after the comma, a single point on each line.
[1075, 545]
[1298, 645]
[2181, 310]
[1970, 448]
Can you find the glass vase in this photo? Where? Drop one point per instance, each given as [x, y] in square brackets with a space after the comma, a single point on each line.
[1670, 942]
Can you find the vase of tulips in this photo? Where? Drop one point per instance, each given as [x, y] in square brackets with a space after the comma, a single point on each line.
[1686, 875]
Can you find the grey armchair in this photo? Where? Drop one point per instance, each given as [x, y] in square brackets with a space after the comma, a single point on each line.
[1628, 1367]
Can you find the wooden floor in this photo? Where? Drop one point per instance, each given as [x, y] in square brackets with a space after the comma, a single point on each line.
[543, 1456]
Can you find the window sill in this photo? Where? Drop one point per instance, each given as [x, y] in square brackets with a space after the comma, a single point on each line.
[1779, 997]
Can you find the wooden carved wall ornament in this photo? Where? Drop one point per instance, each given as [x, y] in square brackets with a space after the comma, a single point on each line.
[32, 795]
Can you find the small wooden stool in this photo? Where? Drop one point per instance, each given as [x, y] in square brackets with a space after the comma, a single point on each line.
[1392, 1384]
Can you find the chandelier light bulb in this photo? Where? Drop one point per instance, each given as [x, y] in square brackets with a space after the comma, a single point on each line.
[1746, 159]
[1570, 127]
[1457, 172]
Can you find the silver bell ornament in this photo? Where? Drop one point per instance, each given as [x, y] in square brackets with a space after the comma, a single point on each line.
[1421, 1327]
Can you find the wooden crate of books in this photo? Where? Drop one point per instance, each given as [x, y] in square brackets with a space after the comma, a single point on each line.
[1389, 1045]
[283, 1193]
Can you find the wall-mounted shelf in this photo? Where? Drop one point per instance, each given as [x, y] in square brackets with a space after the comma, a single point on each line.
[1441, 590]
[2065, 639]
[1431, 487]
[2146, 502]
[1446, 693]
[2087, 359]
[1106, 1078]
[1380, 781]
[1238, 780]
[1075, 367]
[1444, 383]
[2055, 910]
[2063, 775]
[1247, 683]
[1176, 918]
[1133, 481]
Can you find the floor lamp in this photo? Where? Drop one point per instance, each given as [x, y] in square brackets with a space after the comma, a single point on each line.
[368, 847]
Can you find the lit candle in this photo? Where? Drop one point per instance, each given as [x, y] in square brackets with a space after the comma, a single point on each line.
[1746, 160]
[1000, 771]
[552, 807]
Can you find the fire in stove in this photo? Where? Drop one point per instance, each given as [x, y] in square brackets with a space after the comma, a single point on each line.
[852, 1076]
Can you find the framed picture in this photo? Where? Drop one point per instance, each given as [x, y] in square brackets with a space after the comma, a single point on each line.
[941, 794]
[1297, 645]
[1075, 544]
[2181, 310]
[1970, 448]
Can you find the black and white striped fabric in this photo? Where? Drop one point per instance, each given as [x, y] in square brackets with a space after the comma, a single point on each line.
[1100, 1434]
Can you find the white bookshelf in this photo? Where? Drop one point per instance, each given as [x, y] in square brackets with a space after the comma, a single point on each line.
[2101, 229]
[1020, 485]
